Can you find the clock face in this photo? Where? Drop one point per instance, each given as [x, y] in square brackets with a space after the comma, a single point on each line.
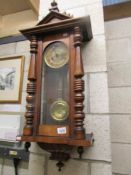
[56, 54]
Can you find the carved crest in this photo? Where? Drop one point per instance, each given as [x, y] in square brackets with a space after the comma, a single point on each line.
[54, 15]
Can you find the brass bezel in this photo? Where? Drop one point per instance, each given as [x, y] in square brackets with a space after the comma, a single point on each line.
[56, 66]
[62, 103]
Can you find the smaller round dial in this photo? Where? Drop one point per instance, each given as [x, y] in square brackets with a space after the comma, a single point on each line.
[56, 54]
[59, 110]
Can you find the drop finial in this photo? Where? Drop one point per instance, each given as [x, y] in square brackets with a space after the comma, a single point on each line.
[54, 6]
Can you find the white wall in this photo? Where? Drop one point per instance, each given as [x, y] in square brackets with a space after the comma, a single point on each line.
[118, 39]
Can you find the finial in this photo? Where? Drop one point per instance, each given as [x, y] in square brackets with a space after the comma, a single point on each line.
[54, 6]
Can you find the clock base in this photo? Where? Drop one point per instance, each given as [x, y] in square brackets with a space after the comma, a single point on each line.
[58, 150]
[86, 142]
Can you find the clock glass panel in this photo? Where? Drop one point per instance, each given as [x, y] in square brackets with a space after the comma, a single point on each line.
[55, 84]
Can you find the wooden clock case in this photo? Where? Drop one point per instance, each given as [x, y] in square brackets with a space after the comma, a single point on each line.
[57, 26]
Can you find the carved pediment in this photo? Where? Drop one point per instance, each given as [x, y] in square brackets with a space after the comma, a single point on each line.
[55, 21]
[54, 15]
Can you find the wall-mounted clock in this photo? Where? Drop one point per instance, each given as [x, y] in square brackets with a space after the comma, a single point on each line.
[54, 116]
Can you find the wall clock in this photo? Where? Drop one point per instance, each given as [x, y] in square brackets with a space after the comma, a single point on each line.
[54, 115]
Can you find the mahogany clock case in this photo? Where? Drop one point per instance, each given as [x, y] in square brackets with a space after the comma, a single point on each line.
[55, 81]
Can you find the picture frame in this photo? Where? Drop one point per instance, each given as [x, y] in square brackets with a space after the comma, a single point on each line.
[11, 79]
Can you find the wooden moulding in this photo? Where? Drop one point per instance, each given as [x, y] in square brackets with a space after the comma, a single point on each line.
[88, 141]
[44, 29]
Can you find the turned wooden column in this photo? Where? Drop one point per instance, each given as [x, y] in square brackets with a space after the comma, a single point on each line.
[78, 86]
[31, 89]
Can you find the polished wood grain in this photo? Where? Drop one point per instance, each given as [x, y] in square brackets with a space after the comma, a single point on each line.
[61, 140]
[52, 130]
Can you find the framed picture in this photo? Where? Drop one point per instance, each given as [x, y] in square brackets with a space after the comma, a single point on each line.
[11, 76]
